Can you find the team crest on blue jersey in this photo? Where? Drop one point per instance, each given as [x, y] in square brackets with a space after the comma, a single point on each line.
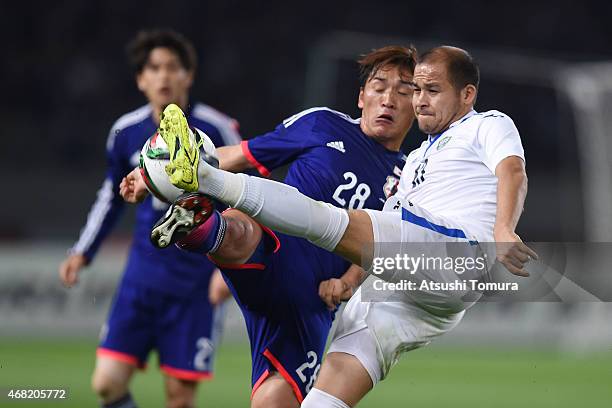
[443, 142]
[390, 186]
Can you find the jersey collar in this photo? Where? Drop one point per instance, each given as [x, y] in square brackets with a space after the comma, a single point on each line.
[467, 115]
[455, 123]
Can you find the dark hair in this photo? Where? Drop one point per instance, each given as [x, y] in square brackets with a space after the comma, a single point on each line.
[461, 67]
[404, 58]
[139, 48]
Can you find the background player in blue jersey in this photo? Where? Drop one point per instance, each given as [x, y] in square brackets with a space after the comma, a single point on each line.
[277, 279]
[162, 302]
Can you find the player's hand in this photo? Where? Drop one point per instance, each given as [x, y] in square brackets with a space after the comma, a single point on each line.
[512, 252]
[69, 269]
[218, 291]
[334, 291]
[133, 188]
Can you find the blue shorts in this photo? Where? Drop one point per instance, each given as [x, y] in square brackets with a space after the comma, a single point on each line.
[183, 330]
[277, 290]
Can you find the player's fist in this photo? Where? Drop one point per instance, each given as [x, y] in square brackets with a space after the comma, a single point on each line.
[69, 269]
[512, 252]
[133, 188]
[333, 291]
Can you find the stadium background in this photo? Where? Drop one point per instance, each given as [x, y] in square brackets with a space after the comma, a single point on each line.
[65, 80]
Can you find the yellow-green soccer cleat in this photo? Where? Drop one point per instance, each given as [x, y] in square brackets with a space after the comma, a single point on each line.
[183, 148]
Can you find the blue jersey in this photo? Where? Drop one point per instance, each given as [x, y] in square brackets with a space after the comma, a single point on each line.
[169, 270]
[332, 160]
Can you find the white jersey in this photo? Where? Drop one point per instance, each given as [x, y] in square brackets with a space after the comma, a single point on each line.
[453, 174]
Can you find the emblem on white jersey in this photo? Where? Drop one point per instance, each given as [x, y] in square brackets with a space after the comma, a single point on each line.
[390, 186]
[339, 146]
[443, 142]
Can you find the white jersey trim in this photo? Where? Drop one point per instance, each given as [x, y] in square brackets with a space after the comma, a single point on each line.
[292, 119]
[105, 194]
[225, 124]
[95, 218]
[129, 119]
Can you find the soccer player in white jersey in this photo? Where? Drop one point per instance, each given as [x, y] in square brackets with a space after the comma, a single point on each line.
[467, 182]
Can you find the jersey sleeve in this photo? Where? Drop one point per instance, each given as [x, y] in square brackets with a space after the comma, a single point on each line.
[230, 132]
[223, 130]
[108, 206]
[282, 145]
[499, 138]
[221, 133]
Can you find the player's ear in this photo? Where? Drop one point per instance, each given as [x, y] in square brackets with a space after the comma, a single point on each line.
[360, 98]
[190, 76]
[468, 94]
[140, 82]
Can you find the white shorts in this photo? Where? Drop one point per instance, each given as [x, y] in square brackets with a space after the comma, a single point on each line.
[378, 330]
[404, 222]
[377, 333]
[404, 229]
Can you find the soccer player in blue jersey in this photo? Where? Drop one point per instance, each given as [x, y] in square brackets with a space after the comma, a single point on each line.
[280, 281]
[162, 301]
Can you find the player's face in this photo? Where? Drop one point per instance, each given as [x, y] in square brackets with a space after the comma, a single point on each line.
[386, 106]
[164, 80]
[437, 103]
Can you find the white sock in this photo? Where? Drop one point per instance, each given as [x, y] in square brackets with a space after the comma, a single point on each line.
[320, 399]
[276, 205]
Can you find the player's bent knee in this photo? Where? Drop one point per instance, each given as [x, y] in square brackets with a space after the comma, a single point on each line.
[274, 392]
[180, 401]
[242, 235]
[111, 378]
[343, 376]
[106, 388]
[180, 393]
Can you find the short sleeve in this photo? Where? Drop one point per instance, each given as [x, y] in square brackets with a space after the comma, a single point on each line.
[281, 146]
[498, 138]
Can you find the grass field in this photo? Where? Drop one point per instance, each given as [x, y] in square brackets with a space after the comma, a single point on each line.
[431, 377]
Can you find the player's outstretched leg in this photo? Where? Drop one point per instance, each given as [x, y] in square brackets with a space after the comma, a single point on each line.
[183, 146]
[189, 211]
[279, 206]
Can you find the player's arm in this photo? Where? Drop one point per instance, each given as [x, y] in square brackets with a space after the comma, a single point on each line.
[268, 151]
[511, 193]
[101, 219]
[499, 145]
[333, 291]
[228, 144]
[283, 145]
[232, 158]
